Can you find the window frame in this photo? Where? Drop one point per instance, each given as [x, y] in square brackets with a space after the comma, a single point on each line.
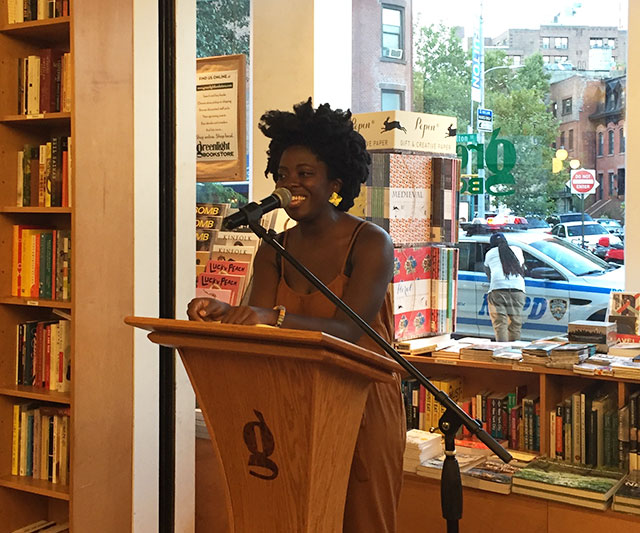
[600, 144]
[610, 142]
[567, 106]
[399, 92]
[400, 35]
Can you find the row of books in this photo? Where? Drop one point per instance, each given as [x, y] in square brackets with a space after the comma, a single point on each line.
[44, 355]
[425, 286]
[412, 196]
[539, 477]
[41, 263]
[26, 10]
[585, 429]
[44, 174]
[40, 447]
[44, 82]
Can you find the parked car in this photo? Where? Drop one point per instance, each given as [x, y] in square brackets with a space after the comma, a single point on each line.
[567, 217]
[612, 253]
[612, 226]
[538, 225]
[572, 231]
[563, 283]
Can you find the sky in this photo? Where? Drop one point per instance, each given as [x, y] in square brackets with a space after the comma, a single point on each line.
[500, 15]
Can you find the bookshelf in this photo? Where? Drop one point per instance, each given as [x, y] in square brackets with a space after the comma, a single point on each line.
[495, 512]
[99, 492]
[24, 499]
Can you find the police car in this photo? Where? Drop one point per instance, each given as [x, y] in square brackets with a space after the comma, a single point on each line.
[563, 283]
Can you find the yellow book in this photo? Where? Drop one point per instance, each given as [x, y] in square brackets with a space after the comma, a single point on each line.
[54, 356]
[25, 284]
[15, 263]
[15, 448]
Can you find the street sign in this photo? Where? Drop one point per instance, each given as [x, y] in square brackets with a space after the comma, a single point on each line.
[583, 181]
[467, 138]
[485, 120]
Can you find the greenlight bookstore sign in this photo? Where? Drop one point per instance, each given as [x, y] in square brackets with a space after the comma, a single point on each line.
[500, 180]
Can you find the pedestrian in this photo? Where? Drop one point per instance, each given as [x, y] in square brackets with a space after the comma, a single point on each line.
[504, 267]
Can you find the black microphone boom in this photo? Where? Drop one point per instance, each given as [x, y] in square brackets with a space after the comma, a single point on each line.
[281, 197]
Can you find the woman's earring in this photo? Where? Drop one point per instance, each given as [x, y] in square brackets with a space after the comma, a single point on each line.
[335, 199]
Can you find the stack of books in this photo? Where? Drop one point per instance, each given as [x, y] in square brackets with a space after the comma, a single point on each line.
[567, 355]
[538, 352]
[627, 499]
[568, 483]
[421, 445]
[424, 345]
[626, 368]
[481, 352]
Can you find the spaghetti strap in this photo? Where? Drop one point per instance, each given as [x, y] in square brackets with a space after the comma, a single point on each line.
[354, 236]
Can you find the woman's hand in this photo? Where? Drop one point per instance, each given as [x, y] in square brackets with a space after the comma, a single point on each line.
[207, 309]
[210, 309]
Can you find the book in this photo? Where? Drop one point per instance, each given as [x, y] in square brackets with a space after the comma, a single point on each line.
[433, 467]
[34, 527]
[629, 491]
[492, 475]
[569, 480]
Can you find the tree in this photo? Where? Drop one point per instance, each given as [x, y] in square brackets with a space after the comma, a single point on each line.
[521, 112]
[222, 27]
[442, 74]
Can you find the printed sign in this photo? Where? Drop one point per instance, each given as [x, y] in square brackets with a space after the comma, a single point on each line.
[583, 181]
[220, 113]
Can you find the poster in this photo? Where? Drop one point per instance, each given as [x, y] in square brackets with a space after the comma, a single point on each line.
[220, 118]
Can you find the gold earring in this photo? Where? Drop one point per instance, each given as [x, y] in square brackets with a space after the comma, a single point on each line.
[335, 199]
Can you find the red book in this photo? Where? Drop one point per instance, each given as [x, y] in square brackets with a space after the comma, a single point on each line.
[48, 59]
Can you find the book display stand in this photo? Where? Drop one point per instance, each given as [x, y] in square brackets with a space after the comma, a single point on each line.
[283, 408]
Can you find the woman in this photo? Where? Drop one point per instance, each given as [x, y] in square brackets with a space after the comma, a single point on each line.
[503, 265]
[318, 156]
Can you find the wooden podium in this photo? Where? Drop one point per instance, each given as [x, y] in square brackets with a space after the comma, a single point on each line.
[283, 407]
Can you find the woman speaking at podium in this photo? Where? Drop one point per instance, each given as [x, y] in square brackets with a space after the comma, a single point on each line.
[317, 155]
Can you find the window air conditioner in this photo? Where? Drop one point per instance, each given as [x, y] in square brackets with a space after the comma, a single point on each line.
[395, 53]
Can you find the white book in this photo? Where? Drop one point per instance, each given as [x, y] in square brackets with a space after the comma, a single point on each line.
[33, 85]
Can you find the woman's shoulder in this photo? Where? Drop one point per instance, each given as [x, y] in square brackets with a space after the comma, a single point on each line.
[369, 233]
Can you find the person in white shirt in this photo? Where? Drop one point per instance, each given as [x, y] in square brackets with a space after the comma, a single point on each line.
[504, 267]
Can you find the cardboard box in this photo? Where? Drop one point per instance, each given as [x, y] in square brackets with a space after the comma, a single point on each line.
[407, 131]
[592, 331]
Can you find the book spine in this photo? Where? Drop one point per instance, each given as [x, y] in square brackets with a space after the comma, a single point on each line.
[633, 433]
[37, 441]
[559, 432]
[20, 179]
[45, 80]
[15, 441]
[552, 435]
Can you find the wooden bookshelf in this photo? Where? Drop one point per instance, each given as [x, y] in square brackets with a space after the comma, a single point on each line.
[24, 499]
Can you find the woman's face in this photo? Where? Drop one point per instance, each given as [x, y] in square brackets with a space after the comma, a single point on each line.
[307, 178]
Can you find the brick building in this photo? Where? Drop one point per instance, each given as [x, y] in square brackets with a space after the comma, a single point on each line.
[582, 47]
[382, 55]
[610, 146]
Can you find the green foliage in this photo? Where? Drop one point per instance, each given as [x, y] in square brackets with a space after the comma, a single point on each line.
[518, 98]
[222, 27]
[217, 193]
[441, 74]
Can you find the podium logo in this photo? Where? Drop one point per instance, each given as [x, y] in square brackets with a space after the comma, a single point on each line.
[254, 432]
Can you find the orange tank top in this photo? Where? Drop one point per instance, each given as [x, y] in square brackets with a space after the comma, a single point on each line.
[316, 304]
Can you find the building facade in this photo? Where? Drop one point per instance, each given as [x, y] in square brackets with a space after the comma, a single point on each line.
[577, 47]
[382, 55]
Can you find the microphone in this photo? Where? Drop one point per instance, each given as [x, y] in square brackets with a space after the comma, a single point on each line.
[281, 197]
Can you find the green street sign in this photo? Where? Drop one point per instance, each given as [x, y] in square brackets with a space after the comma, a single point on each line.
[467, 138]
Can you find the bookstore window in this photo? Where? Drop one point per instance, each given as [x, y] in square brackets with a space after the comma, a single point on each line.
[610, 143]
[566, 106]
[600, 144]
[570, 145]
[391, 100]
[623, 141]
[392, 34]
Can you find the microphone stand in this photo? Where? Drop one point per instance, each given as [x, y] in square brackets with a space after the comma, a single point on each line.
[451, 420]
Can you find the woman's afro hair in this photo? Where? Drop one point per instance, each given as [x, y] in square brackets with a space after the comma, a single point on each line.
[329, 134]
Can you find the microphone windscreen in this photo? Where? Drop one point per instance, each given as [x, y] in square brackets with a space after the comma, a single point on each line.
[284, 195]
